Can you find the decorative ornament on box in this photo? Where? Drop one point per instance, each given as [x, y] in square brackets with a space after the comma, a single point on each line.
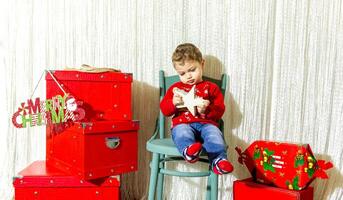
[58, 109]
[285, 165]
[62, 107]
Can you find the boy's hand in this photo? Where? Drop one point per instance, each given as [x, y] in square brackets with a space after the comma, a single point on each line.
[177, 99]
[202, 108]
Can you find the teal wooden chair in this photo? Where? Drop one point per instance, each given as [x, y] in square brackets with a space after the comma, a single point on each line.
[163, 149]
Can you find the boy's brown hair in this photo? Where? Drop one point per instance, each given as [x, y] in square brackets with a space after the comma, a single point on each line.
[186, 51]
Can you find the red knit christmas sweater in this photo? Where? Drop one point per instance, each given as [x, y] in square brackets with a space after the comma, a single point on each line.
[205, 89]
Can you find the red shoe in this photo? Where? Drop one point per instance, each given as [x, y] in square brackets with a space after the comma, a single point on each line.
[192, 152]
[222, 166]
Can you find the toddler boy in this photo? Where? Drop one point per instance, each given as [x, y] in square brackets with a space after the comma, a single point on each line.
[191, 133]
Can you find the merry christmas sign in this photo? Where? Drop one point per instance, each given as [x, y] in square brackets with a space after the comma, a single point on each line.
[57, 110]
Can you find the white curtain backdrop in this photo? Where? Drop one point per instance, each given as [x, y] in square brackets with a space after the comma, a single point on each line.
[284, 59]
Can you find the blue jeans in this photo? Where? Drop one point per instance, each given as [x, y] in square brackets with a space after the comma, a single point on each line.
[212, 138]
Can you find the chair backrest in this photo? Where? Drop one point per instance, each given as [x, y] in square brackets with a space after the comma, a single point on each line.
[167, 81]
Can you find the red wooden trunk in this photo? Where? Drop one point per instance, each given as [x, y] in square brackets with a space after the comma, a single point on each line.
[95, 149]
[104, 96]
[39, 182]
[247, 189]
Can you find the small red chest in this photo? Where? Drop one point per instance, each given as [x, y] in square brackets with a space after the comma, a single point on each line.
[40, 182]
[95, 149]
[247, 189]
[103, 96]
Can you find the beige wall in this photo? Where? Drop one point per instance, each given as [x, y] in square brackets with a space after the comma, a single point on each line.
[284, 59]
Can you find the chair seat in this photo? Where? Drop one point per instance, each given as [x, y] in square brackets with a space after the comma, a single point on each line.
[163, 146]
[166, 146]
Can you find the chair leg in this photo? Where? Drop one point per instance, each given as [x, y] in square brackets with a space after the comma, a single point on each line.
[154, 169]
[214, 186]
[160, 186]
[160, 181]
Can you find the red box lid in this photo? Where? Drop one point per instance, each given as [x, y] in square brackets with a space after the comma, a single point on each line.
[105, 126]
[38, 174]
[248, 189]
[85, 76]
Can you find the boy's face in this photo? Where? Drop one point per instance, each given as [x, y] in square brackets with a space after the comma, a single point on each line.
[191, 72]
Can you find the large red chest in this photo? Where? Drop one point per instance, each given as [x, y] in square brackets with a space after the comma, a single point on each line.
[247, 190]
[95, 149]
[104, 96]
[40, 182]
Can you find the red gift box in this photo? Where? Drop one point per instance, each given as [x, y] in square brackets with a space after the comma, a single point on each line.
[285, 165]
[95, 149]
[40, 182]
[247, 190]
[103, 96]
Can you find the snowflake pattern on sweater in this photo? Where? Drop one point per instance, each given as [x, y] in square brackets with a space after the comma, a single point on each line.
[206, 90]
